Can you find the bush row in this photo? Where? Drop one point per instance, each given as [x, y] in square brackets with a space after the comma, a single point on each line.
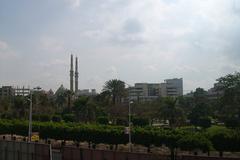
[218, 138]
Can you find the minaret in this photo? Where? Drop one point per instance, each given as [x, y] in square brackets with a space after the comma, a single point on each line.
[76, 76]
[71, 74]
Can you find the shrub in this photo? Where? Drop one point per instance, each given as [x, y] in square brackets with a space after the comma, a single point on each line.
[223, 139]
[140, 121]
[35, 117]
[69, 118]
[44, 117]
[121, 122]
[56, 118]
[232, 122]
[102, 120]
[194, 141]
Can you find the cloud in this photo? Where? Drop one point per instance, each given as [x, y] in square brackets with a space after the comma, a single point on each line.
[3, 45]
[134, 40]
[6, 52]
[51, 44]
[112, 72]
[74, 3]
[152, 68]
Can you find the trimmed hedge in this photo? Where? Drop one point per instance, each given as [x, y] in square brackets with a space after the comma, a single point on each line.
[221, 138]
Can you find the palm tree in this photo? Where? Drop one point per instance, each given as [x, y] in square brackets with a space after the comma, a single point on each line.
[116, 89]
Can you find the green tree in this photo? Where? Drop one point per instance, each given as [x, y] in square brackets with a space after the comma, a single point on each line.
[85, 109]
[116, 89]
[229, 85]
[191, 142]
[60, 96]
[200, 114]
[20, 107]
[171, 112]
[224, 139]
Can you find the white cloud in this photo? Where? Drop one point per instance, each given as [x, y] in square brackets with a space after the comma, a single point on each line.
[111, 72]
[3, 45]
[74, 3]
[138, 41]
[51, 44]
[152, 68]
[6, 52]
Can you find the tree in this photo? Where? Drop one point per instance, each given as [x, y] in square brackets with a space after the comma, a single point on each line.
[200, 96]
[20, 106]
[116, 89]
[224, 139]
[60, 96]
[200, 114]
[229, 85]
[85, 109]
[171, 112]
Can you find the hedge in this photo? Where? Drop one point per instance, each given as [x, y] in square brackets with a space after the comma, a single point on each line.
[221, 139]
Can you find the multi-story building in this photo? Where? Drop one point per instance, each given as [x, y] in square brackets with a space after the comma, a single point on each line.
[22, 91]
[172, 87]
[7, 91]
[215, 92]
[87, 92]
[149, 91]
[144, 91]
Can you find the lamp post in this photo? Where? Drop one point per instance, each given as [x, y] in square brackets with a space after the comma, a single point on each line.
[30, 114]
[30, 119]
[129, 126]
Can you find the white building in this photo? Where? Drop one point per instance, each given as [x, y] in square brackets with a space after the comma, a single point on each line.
[87, 92]
[172, 87]
[149, 91]
[144, 91]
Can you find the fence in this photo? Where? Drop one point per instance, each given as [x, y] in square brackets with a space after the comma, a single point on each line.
[188, 157]
[71, 153]
[13, 150]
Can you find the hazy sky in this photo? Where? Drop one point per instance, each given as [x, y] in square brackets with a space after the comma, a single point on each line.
[132, 40]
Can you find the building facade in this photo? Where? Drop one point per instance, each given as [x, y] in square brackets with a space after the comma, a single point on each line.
[22, 91]
[150, 91]
[144, 91]
[87, 92]
[172, 87]
[7, 91]
[215, 92]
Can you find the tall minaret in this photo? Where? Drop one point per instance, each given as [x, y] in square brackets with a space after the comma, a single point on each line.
[76, 76]
[71, 74]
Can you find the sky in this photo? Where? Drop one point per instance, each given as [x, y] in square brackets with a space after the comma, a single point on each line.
[131, 40]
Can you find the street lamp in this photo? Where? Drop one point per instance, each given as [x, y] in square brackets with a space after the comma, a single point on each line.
[129, 125]
[30, 118]
[30, 114]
